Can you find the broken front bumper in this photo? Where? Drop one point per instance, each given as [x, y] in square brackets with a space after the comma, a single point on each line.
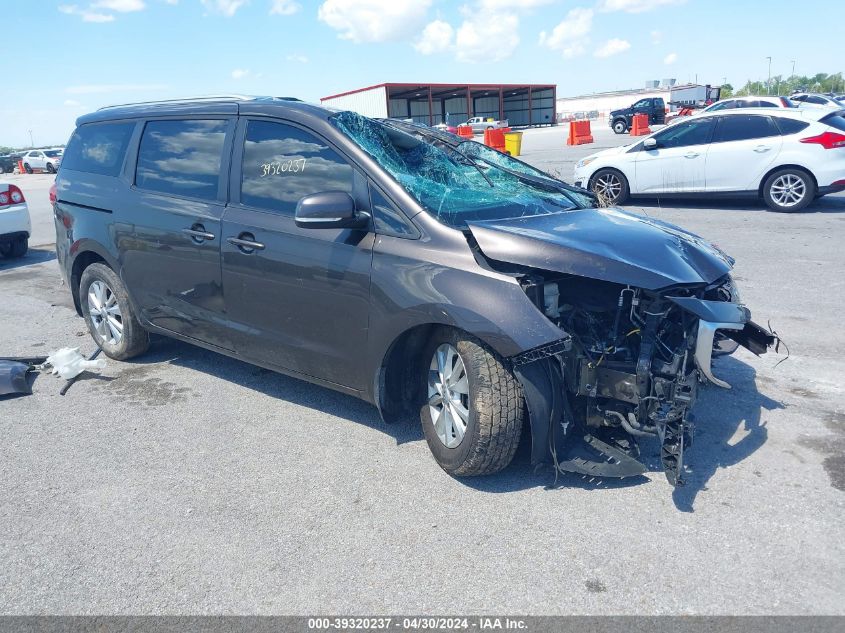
[734, 319]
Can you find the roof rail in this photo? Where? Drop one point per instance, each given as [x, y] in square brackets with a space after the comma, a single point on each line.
[181, 100]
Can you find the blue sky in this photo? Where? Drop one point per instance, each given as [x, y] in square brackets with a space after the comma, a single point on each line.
[77, 55]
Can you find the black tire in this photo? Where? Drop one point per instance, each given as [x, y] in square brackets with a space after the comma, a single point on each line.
[495, 404]
[15, 249]
[27, 168]
[774, 193]
[50, 168]
[603, 192]
[135, 339]
[2, 169]
[620, 126]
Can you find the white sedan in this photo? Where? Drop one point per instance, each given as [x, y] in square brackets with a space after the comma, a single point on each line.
[786, 156]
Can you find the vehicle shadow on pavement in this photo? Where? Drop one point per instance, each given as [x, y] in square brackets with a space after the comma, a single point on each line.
[730, 426]
[33, 256]
[827, 204]
[275, 385]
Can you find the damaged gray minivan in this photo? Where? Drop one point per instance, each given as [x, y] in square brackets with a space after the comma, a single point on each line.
[405, 266]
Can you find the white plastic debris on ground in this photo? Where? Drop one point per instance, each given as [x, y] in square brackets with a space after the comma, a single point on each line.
[69, 363]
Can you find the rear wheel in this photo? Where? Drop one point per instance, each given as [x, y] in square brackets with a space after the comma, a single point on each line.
[788, 190]
[2, 169]
[27, 168]
[473, 416]
[610, 186]
[15, 249]
[50, 168]
[620, 126]
[108, 314]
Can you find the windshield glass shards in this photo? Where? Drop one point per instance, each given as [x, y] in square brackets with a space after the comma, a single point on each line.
[451, 185]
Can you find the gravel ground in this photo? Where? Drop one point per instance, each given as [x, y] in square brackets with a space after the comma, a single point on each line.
[185, 482]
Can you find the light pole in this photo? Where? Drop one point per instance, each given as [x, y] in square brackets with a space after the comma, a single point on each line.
[31, 142]
[793, 68]
[769, 80]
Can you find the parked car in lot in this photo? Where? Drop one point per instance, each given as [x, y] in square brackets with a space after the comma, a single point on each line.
[622, 120]
[785, 156]
[416, 272]
[8, 163]
[46, 159]
[737, 102]
[15, 225]
[816, 100]
[480, 123]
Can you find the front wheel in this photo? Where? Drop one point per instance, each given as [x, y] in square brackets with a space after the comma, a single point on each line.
[620, 127]
[109, 315]
[50, 168]
[473, 416]
[788, 190]
[610, 186]
[27, 168]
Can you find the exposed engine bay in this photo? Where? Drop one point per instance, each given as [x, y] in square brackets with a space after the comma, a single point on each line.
[632, 366]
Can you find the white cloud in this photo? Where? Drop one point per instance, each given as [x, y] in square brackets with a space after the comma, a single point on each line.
[656, 37]
[72, 103]
[570, 36]
[86, 14]
[225, 7]
[635, 6]
[302, 59]
[436, 37]
[121, 6]
[374, 20]
[107, 88]
[284, 7]
[671, 58]
[240, 73]
[486, 37]
[612, 47]
[498, 5]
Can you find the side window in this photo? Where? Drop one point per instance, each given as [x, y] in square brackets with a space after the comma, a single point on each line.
[98, 148]
[744, 127]
[694, 132]
[642, 103]
[387, 220]
[790, 126]
[767, 104]
[816, 100]
[283, 163]
[182, 157]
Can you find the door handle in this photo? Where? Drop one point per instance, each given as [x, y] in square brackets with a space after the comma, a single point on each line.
[246, 243]
[198, 233]
[762, 148]
[692, 155]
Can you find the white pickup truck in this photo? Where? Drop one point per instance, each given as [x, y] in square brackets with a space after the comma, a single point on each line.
[479, 124]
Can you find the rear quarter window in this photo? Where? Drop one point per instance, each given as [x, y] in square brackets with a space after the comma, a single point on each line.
[98, 148]
[790, 126]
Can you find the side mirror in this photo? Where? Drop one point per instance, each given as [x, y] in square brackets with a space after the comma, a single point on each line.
[329, 210]
[650, 144]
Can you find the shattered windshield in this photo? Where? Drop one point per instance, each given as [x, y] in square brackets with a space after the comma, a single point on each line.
[449, 184]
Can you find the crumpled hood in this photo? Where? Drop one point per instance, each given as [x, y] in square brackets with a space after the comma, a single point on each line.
[608, 244]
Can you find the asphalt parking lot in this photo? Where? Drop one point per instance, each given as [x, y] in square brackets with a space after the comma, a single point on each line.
[186, 482]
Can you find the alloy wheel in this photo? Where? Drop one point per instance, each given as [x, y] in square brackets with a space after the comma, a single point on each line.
[788, 190]
[609, 186]
[448, 395]
[104, 312]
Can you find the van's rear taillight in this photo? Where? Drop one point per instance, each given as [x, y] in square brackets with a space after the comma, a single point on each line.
[828, 140]
[53, 194]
